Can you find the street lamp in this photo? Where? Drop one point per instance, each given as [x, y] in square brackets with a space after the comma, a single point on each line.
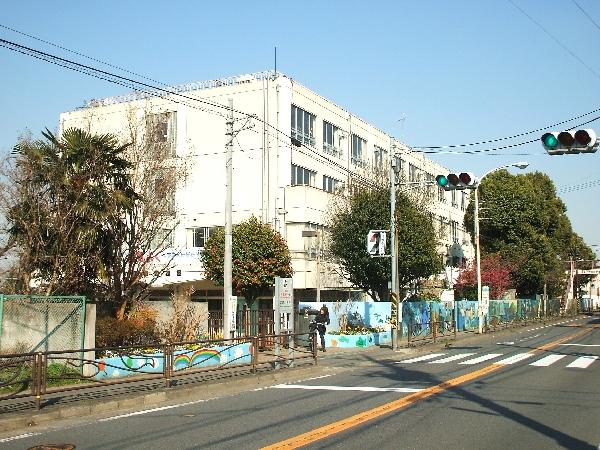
[519, 165]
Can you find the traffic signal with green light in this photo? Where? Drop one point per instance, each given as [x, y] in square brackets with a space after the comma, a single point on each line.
[570, 142]
[464, 180]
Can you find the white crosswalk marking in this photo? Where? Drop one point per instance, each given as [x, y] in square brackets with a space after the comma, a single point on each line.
[481, 358]
[451, 358]
[547, 360]
[515, 358]
[583, 361]
[422, 358]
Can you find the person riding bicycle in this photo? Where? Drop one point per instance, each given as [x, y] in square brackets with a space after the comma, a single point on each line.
[321, 320]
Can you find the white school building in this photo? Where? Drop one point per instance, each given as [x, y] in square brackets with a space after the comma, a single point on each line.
[284, 184]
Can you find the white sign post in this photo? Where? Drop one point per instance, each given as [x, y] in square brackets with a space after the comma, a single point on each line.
[485, 301]
[283, 305]
[233, 301]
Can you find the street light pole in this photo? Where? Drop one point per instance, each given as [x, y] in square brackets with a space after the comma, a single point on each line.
[519, 165]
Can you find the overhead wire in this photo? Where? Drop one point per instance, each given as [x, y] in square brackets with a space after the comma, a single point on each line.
[161, 92]
[157, 91]
[586, 14]
[555, 39]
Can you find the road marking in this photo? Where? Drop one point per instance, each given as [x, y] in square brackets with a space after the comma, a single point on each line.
[160, 408]
[339, 426]
[451, 358]
[481, 358]
[547, 360]
[20, 436]
[515, 358]
[422, 358]
[345, 388]
[583, 361]
[582, 345]
[506, 343]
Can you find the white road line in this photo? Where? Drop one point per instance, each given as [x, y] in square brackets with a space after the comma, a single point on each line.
[547, 360]
[451, 358]
[421, 358]
[515, 358]
[344, 388]
[582, 345]
[20, 436]
[481, 358]
[161, 408]
[583, 361]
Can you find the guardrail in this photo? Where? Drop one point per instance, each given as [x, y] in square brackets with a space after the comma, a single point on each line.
[430, 331]
[39, 374]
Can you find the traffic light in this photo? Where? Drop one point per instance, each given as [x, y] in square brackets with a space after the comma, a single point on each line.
[570, 141]
[464, 180]
[376, 242]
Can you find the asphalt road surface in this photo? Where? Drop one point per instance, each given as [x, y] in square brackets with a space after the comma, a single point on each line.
[532, 388]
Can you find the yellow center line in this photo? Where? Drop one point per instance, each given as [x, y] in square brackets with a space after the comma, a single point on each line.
[365, 416]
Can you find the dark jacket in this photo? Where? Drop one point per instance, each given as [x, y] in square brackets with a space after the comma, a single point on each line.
[322, 320]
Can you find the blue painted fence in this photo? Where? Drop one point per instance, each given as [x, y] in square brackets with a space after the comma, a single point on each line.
[377, 315]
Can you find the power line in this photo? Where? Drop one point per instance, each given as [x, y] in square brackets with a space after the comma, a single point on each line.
[80, 54]
[578, 187]
[586, 14]
[514, 135]
[555, 39]
[160, 92]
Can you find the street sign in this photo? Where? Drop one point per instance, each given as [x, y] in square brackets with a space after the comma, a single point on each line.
[588, 271]
[233, 300]
[284, 295]
[485, 299]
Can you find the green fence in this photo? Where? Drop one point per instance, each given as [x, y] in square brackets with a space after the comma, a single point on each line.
[30, 323]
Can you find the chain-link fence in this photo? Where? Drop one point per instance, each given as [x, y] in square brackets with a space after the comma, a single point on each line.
[30, 323]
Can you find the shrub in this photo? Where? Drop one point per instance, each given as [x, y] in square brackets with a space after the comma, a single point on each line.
[111, 332]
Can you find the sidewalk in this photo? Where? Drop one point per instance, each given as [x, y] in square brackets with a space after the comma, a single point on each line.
[20, 414]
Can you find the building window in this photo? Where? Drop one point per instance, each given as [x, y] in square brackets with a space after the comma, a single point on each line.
[197, 237]
[303, 126]
[463, 201]
[330, 136]
[430, 185]
[161, 133]
[302, 176]
[359, 148]
[162, 239]
[441, 194]
[380, 158]
[454, 229]
[442, 227]
[163, 191]
[413, 173]
[331, 184]
[454, 203]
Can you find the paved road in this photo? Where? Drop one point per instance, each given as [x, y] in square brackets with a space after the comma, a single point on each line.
[537, 387]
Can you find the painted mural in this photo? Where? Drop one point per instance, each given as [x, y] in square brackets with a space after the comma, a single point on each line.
[129, 365]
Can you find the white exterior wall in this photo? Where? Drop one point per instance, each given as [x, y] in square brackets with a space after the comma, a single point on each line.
[262, 160]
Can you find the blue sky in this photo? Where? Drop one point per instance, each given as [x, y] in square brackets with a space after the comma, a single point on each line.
[431, 72]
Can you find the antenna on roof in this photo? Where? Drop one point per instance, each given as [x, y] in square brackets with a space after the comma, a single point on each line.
[275, 60]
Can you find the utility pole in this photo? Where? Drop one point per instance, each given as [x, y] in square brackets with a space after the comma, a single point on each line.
[318, 237]
[228, 310]
[393, 246]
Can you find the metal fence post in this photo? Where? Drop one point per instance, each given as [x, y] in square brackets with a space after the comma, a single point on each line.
[314, 346]
[254, 353]
[167, 364]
